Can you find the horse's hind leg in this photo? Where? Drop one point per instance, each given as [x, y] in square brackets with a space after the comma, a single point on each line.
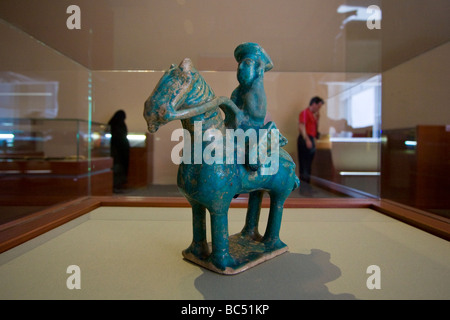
[199, 245]
[252, 219]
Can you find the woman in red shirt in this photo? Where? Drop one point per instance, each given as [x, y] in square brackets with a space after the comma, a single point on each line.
[308, 122]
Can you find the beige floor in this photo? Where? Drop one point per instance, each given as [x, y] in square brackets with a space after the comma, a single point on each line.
[135, 253]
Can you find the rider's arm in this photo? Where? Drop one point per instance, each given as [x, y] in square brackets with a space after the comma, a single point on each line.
[233, 115]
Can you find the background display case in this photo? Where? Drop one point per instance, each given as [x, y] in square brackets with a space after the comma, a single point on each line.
[46, 161]
[416, 163]
[52, 139]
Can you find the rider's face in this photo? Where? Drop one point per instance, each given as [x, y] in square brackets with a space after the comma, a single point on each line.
[246, 72]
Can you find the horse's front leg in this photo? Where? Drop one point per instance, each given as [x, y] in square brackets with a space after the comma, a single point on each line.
[272, 234]
[199, 245]
[220, 256]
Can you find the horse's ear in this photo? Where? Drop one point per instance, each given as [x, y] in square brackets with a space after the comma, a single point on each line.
[186, 64]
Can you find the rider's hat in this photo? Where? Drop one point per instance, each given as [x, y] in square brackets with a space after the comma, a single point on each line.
[247, 49]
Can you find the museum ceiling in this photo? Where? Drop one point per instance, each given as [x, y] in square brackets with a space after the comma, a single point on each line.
[300, 35]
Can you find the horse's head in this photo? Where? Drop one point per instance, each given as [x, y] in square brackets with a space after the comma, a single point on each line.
[172, 93]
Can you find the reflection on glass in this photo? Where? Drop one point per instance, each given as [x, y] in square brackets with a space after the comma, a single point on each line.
[23, 96]
[358, 13]
[137, 140]
[25, 138]
[351, 147]
[415, 167]
[47, 161]
[354, 109]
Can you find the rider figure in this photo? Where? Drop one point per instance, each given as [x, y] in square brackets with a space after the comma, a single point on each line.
[250, 96]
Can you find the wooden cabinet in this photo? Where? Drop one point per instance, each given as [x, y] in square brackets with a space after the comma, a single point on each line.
[416, 167]
[46, 182]
[140, 168]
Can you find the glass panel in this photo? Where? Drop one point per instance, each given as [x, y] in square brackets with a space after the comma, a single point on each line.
[44, 126]
[25, 138]
[345, 51]
[344, 68]
[415, 134]
[352, 143]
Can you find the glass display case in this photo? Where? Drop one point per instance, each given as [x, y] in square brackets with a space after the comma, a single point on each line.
[381, 163]
[52, 139]
[416, 163]
[46, 161]
[375, 66]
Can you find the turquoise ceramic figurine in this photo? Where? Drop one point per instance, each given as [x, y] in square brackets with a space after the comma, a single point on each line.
[216, 167]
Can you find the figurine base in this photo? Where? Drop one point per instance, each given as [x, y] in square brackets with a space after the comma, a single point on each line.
[246, 253]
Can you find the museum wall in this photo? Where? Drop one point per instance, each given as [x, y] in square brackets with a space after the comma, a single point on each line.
[46, 20]
[416, 91]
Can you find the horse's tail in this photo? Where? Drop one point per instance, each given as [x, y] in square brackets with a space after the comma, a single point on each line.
[296, 183]
[287, 157]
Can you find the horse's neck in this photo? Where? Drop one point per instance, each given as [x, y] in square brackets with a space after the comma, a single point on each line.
[200, 92]
[212, 119]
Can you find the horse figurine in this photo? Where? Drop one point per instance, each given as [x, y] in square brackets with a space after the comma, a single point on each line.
[182, 94]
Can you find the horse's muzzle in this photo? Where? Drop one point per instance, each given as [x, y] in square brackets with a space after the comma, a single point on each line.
[152, 128]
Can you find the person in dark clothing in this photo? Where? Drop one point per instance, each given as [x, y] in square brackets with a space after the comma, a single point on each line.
[120, 149]
[308, 123]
